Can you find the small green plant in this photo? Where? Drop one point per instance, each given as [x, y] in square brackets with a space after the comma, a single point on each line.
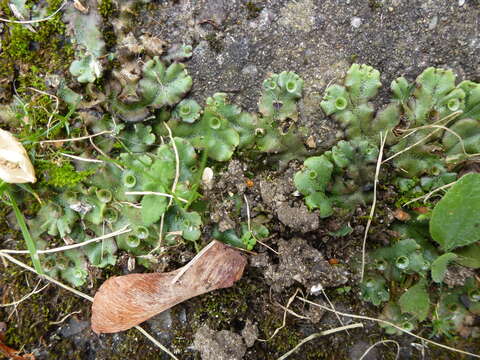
[338, 177]
[350, 106]
[375, 290]
[247, 238]
[280, 95]
[159, 86]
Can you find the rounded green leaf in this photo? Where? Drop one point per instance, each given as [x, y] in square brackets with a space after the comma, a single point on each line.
[439, 266]
[456, 218]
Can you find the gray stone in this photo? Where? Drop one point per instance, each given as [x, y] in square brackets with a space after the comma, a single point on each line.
[219, 345]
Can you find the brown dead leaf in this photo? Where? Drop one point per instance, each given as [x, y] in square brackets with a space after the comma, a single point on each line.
[422, 210]
[125, 301]
[401, 215]
[8, 351]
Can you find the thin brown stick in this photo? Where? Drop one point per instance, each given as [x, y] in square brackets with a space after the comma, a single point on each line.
[64, 318]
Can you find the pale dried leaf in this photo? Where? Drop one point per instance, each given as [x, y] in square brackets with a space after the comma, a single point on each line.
[15, 165]
[125, 301]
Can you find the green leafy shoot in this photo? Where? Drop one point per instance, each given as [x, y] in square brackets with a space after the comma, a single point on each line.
[32, 249]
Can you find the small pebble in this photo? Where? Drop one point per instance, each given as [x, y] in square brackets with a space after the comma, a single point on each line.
[433, 23]
[356, 22]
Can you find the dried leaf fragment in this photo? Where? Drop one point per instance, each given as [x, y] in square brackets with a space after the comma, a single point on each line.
[125, 301]
[15, 165]
[401, 215]
[8, 351]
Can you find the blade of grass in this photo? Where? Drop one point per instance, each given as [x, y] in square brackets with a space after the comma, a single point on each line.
[26, 234]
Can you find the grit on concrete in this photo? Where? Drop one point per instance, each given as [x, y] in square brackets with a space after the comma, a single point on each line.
[238, 43]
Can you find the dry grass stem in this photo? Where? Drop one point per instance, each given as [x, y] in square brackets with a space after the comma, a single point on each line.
[121, 231]
[177, 160]
[291, 312]
[427, 196]
[82, 158]
[192, 262]
[333, 307]
[250, 227]
[37, 20]
[446, 119]
[284, 321]
[75, 139]
[397, 355]
[323, 333]
[155, 193]
[64, 318]
[383, 138]
[35, 291]
[85, 296]
[354, 316]
[57, 104]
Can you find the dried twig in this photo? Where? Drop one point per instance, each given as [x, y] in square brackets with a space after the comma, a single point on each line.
[250, 227]
[85, 296]
[82, 158]
[383, 138]
[354, 316]
[64, 318]
[323, 333]
[397, 355]
[76, 139]
[37, 20]
[35, 291]
[121, 231]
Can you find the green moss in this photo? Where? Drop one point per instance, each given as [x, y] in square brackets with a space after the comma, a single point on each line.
[253, 9]
[106, 8]
[61, 175]
[32, 320]
[286, 338]
[375, 4]
[214, 42]
[218, 309]
[45, 49]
